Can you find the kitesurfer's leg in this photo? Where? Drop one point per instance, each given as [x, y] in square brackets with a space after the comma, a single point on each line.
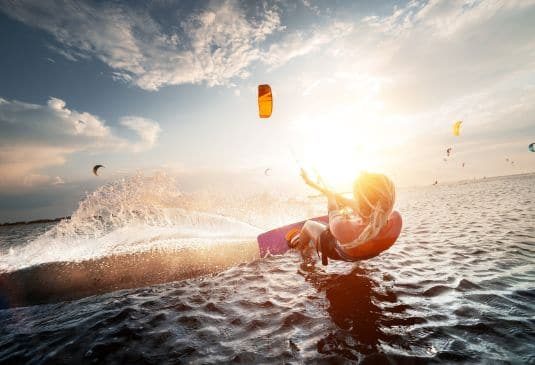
[310, 235]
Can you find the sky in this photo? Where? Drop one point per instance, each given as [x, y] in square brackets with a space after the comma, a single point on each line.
[172, 86]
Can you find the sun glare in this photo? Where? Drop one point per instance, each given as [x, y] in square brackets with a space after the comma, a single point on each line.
[343, 144]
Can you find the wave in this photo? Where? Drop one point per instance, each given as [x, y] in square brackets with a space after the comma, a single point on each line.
[145, 213]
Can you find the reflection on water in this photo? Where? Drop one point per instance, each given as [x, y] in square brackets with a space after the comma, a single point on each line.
[456, 287]
[353, 305]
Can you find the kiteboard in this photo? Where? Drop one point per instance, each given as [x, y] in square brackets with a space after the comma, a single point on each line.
[274, 242]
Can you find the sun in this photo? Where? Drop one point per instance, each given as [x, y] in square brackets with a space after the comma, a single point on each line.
[339, 148]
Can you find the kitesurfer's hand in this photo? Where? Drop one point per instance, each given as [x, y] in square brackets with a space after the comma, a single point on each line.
[322, 183]
[330, 195]
[306, 178]
[314, 185]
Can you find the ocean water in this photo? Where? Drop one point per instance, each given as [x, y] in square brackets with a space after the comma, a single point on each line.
[458, 286]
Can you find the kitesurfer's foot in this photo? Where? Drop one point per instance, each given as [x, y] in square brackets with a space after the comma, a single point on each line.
[292, 237]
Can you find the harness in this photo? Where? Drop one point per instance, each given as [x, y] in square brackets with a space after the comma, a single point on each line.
[328, 248]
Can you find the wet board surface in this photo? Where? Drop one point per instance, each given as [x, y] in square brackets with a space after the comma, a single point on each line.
[274, 242]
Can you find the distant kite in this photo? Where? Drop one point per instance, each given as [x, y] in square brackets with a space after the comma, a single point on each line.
[457, 128]
[95, 169]
[265, 101]
[532, 147]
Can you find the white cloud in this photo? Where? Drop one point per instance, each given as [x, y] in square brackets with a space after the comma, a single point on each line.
[212, 45]
[219, 41]
[31, 180]
[58, 180]
[20, 161]
[425, 63]
[219, 44]
[442, 18]
[35, 137]
[428, 53]
[314, 8]
[411, 73]
[146, 129]
[298, 44]
[57, 104]
[445, 18]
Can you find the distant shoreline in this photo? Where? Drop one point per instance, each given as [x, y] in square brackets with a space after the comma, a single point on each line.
[442, 183]
[37, 221]
[474, 179]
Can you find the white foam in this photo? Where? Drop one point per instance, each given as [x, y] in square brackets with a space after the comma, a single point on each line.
[141, 213]
[129, 215]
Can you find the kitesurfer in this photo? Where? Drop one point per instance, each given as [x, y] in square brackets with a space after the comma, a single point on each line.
[95, 169]
[358, 228]
[265, 101]
[457, 128]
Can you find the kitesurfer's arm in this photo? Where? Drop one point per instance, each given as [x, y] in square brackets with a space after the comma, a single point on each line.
[312, 184]
[332, 204]
[338, 198]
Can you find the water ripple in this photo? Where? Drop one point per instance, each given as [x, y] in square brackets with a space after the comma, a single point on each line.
[457, 287]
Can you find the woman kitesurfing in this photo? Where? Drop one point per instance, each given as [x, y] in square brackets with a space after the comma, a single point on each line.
[358, 228]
